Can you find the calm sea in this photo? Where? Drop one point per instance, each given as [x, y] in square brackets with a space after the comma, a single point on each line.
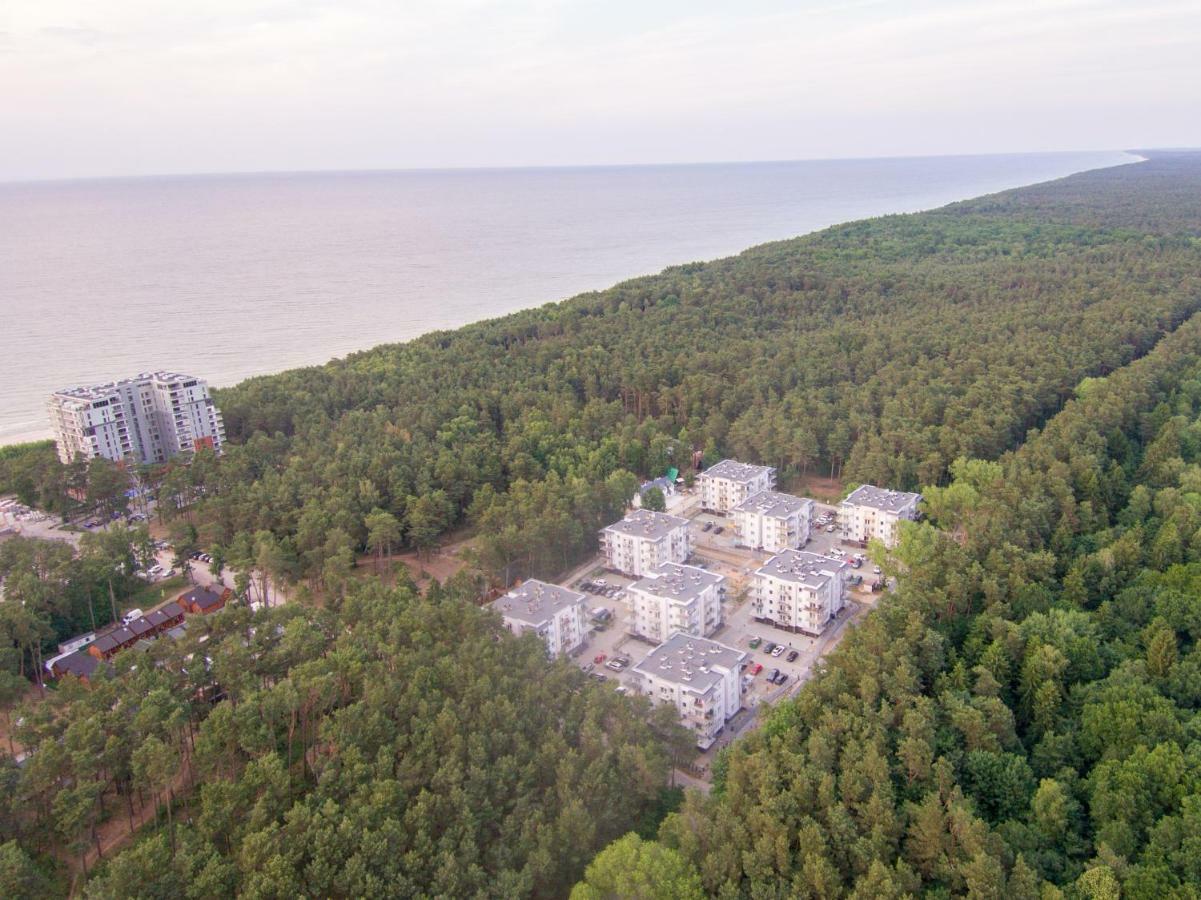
[235, 275]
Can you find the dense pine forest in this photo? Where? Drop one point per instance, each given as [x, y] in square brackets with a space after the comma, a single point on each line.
[880, 351]
[1019, 719]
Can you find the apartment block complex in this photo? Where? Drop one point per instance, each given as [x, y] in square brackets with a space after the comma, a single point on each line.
[556, 614]
[799, 591]
[674, 598]
[773, 521]
[145, 419]
[645, 540]
[729, 482]
[872, 512]
[700, 677]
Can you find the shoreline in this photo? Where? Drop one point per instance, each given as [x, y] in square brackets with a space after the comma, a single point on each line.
[29, 432]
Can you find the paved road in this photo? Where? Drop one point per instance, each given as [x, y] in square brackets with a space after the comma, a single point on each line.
[46, 529]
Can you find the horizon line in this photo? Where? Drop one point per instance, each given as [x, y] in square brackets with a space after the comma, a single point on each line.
[259, 173]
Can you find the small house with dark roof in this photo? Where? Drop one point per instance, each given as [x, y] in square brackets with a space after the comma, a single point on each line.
[80, 663]
[165, 617]
[110, 643]
[202, 600]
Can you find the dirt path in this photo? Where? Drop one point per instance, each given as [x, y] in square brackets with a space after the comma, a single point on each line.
[440, 564]
[115, 832]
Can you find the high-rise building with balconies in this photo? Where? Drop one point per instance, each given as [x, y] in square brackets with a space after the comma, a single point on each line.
[145, 419]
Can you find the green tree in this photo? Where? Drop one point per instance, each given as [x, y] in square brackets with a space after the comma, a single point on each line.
[20, 877]
[383, 532]
[653, 499]
[633, 869]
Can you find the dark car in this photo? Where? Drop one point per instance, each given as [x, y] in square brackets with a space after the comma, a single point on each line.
[769, 647]
[719, 529]
[793, 655]
[780, 678]
[775, 673]
[707, 526]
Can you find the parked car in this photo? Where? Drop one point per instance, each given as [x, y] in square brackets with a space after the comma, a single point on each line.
[756, 669]
[719, 529]
[775, 673]
[792, 655]
[755, 642]
[769, 647]
[707, 526]
[599, 658]
[780, 678]
[778, 651]
[875, 570]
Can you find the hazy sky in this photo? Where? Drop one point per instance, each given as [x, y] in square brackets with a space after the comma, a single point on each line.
[99, 87]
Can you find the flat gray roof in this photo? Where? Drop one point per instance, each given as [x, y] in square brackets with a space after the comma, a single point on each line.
[648, 524]
[881, 498]
[689, 661]
[734, 470]
[100, 391]
[802, 567]
[773, 504]
[677, 582]
[535, 602]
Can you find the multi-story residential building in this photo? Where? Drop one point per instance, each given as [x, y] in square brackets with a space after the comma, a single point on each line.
[872, 512]
[645, 540]
[556, 614]
[675, 598]
[145, 419]
[799, 591]
[700, 677]
[728, 483]
[773, 521]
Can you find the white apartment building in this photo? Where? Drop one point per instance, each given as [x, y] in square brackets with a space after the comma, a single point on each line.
[675, 598]
[773, 521]
[725, 485]
[556, 614]
[799, 591]
[700, 677]
[645, 540]
[145, 419]
[872, 512]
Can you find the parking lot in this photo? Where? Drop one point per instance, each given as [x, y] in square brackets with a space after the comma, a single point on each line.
[611, 641]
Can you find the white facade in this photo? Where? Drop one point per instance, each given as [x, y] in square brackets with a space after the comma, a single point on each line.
[773, 522]
[799, 591]
[555, 614]
[675, 598]
[645, 540]
[146, 419]
[872, 512]
[725, 485]
[700, 677]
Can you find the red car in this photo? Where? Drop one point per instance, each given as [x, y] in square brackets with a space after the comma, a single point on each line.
[599, 658]
[756, 668]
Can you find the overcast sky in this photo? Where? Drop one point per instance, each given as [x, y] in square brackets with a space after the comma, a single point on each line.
[103, 87]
